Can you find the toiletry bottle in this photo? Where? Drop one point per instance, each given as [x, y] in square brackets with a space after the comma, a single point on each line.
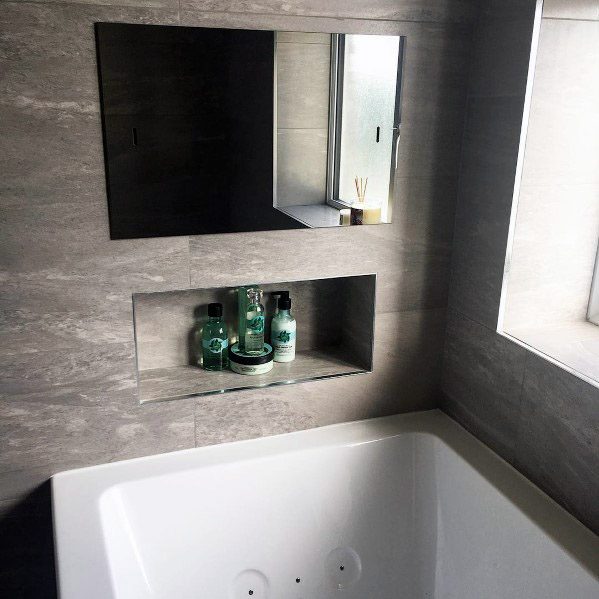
[254, 323]
[276, 295]
[242, 300]
[215, 340]
[282, 332]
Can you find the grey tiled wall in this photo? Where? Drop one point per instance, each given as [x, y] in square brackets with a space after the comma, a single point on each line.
[303, 79]
[68, 394]
[538, 417]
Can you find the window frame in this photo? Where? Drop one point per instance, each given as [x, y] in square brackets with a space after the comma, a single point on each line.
[593, 311]
[336, 115]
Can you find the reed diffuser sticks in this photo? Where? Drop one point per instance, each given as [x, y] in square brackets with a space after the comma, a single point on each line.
[361, 185]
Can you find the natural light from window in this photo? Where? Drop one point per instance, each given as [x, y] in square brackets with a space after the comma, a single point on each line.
[550, 295]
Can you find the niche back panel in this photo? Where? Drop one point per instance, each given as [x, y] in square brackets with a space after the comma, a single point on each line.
[187, 116]
[335, 323]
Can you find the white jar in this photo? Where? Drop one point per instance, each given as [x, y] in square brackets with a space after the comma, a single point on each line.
[251, 365]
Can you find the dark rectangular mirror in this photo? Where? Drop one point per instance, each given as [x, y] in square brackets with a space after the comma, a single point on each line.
[227, 130]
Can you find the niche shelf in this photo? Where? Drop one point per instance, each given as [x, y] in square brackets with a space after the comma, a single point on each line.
[335, 323]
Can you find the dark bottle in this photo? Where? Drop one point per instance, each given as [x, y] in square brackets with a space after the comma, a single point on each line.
[215, 340]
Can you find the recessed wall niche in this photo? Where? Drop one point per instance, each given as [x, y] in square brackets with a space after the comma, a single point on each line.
[335, 336]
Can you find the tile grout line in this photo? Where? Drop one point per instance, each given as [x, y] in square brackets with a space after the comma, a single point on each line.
[519, 419]
[390, 19]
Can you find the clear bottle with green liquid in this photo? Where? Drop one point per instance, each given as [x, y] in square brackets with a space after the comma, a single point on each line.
[215, 340]
[254, 323]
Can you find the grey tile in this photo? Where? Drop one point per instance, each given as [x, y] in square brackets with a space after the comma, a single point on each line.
[48, 52]
[500, 57]
[424, 211]
[303, 76]
[558, 440]
[284, 37]
[247, 415]
[192, 16]
[356, 335]
[571, 9]
[433, 101]
[407, 361]
[73, 265]
[114, 4]
[482, 379]
[301, 166]
[430, 144]
[410, 10]
[40, 436]
[484, 206]
[436, 65]
[25, 331]
[410, 277]
[287, 255]
[17, 485]
[97, 375]
[64, 164]
[420, 281]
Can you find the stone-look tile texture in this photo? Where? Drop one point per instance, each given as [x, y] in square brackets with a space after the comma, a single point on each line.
[484, 372]
[558, 441]
[303, 79]
[68, 396]
[537, 416]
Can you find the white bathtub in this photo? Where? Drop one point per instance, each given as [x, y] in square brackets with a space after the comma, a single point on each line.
[407, 507]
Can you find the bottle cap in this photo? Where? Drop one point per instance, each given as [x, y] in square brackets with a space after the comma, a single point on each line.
[280, 294]
[215, 310]
[284, 303]
[254, 293]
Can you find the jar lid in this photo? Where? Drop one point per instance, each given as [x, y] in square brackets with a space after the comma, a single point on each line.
[251, 360]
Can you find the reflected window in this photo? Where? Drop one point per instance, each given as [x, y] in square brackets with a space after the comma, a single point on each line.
[367, 118]
[338, 126]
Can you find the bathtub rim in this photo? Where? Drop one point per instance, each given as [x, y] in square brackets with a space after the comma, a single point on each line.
[85, 486]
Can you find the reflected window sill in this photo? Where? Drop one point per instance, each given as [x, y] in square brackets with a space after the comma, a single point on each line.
[317, 216]
[572, 345]
[314, 215]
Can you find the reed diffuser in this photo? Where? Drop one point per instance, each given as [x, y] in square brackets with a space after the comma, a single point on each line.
[361, 185]
[361, 212]
[357, 209]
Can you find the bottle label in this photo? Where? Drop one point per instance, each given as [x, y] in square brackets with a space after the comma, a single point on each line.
[283, 342]
[284, 336]
[254, 332]
[255, 324]
[215, 345]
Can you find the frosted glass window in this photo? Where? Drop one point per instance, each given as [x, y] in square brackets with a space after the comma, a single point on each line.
[368, 121]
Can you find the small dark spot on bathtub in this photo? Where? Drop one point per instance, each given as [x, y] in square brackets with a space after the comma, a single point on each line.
[342, 568]
[298, 580]
[250, 592]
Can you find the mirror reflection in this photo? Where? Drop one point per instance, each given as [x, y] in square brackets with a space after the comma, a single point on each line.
[226, 130]
[338, 126]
